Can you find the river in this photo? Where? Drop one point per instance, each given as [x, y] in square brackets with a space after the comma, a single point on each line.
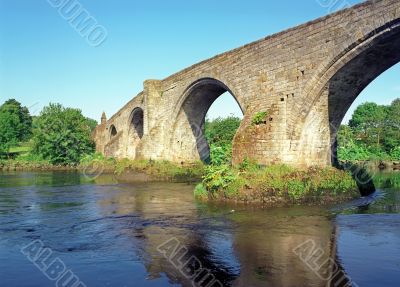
[62, 228]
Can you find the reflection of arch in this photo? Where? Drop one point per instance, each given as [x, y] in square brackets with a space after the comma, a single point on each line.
[340, 83]
[113, 131]
[136, 122]
[190, 115]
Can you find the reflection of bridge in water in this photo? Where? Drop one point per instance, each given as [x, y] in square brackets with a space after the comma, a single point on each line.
[242, 248]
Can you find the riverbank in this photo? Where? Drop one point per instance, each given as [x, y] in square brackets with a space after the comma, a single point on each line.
[247, 183]
[276, 185]
[29, 165]
[376, 164]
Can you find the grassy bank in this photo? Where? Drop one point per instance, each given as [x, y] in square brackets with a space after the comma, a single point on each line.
[156, 170]
[30, 165]
[278, 184]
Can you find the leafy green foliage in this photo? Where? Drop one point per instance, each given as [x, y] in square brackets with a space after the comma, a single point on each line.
[395, 153]
[15, 125]
[373, 133]
[24, 126]
[62, 135]
[8, 133]
[387, 180]
[221, 131]
[200, 192]
[221, 154]
[250, 182]
[217, 178]
[259, 118]
[219, 134]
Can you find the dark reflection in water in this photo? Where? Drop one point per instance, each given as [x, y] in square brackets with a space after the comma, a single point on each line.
[111, 234]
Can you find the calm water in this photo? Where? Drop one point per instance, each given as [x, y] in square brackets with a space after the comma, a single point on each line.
[54, 226]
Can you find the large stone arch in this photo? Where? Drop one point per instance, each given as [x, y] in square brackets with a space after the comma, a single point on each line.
[331, 93]
[188, 142]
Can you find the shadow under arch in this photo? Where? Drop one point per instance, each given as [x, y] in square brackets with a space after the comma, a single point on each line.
[113, 131]
[190, 114]
[135, 131]
[136, 121]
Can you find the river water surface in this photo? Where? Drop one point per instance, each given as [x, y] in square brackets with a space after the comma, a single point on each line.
[56, 225]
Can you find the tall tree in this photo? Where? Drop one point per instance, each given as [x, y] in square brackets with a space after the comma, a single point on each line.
[221, 131]
[23, 127]
[62, 135]
[368, 123]
[392, 129]
[8, 132]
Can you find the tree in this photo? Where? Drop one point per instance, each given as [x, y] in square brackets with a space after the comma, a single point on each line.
[368, 123]
[62, 135]
[23, 127]
[373, 133]
[8, 132]
[221, 130]
[92, 123]
[392, 129]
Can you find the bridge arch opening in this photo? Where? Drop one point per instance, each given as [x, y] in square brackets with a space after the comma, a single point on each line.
[347, 82]
[135, 131]
[136, 123]
[190, 136]
[113, 132]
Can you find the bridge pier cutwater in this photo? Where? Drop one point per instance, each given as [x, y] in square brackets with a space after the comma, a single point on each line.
[304, 79]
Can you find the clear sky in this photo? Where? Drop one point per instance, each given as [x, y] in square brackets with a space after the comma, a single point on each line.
[43, 59]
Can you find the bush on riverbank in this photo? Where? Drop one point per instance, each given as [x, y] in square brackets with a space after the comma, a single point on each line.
[276, 184]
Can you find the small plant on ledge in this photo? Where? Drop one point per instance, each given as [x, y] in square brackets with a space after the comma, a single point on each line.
[259, 118]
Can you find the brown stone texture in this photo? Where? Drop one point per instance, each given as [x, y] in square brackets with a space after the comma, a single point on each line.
[305, 78]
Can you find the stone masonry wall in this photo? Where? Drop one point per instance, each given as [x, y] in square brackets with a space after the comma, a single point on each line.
[287, 75]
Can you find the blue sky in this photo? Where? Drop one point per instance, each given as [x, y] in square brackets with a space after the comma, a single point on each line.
[43, 59]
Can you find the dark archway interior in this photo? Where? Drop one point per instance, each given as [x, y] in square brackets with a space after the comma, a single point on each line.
[355, 76]
[113, 131]
[137, 121]
[198, 101]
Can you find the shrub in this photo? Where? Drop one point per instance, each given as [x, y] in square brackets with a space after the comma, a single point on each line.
[395, 154]
[217, 178]
[259, 118]
[62, 135]
[200, 192]
[221, 154]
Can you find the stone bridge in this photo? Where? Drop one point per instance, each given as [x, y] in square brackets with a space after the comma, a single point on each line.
[303, 79]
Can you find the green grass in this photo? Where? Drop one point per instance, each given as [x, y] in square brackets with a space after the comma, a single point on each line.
[162, 170]
[20, 149]
[250, 183]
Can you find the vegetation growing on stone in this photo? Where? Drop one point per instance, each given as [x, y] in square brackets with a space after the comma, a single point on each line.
[259, 118]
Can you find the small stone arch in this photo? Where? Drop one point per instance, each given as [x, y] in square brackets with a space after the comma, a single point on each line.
[135, 131]
[113, 132]
[136, 122]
